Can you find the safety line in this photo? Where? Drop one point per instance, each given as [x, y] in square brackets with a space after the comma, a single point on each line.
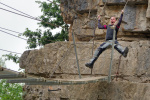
[10, 51]
[15, 9]
[11, 30]
[13, 35]
[30, 17]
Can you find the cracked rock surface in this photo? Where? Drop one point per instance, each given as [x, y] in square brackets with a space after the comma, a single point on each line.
[133, 81]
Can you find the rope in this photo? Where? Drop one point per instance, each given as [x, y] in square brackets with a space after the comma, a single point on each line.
[94, 31]
[16, 9]
[73, 11]
[93, 34]
[94, 26]
[11, 30]
[90, 18]
[112, 54]
[13, 35]
[89, 10]
[111, 63]
[9, 51]
[126, 4]
[76, 52]
[117, 73]
[93, 38]
[28, 17]
[103, 13]
[121, 12]
[63, 57]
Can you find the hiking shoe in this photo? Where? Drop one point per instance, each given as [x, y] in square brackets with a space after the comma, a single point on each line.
[89, 65]
[125, 52]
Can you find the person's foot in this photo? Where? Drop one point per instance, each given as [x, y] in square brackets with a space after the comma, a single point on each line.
[89, 65]
[125, 52]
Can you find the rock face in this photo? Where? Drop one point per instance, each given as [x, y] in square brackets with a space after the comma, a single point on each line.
[134, 70]
[81, 14]
[61, 55]
[148, 10]
[96, 91]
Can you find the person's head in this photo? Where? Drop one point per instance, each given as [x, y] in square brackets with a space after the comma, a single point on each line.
[112, 20]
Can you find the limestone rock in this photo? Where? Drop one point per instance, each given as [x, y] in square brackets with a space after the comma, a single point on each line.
[148, 10]
[80, 14]
[114, 2]
[61, 56]
[97, 91]
[23, 62]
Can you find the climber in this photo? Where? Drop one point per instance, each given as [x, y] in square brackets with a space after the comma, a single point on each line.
[109, 39]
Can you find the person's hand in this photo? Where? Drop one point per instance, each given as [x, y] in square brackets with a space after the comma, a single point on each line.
[98, 17]
[122, 11]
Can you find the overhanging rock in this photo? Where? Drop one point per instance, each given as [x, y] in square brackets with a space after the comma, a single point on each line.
[122, 2]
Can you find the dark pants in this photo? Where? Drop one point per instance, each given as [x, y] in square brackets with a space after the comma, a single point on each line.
[104, 46]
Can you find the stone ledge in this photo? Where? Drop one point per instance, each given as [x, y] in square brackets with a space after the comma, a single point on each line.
[122, 2]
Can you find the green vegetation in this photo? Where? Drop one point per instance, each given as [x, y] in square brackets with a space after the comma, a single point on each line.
[51, 14]
[2, 63]
[9, 91]
[50, 19]
[12, 57]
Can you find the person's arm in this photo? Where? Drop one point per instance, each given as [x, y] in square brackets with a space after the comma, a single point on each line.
[120, 20]
[99, 24]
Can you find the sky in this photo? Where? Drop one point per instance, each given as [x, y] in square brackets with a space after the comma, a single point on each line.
[17, 23]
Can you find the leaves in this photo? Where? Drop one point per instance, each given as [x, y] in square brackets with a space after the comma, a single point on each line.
[12, 57]
[2, 63]
[51, 19]
[10, 91]
[51, 14]
[38, 38]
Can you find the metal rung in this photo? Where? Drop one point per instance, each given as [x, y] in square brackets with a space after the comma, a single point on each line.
[70, 82]
[8, 76]
[27, 80]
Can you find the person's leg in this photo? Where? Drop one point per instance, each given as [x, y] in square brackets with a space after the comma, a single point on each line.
[120, 49]
[98, 51]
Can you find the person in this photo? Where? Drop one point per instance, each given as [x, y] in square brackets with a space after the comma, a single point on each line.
[109, 40]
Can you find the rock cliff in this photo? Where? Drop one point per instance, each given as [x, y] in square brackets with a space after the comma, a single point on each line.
[81, 15]
[134, 70]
